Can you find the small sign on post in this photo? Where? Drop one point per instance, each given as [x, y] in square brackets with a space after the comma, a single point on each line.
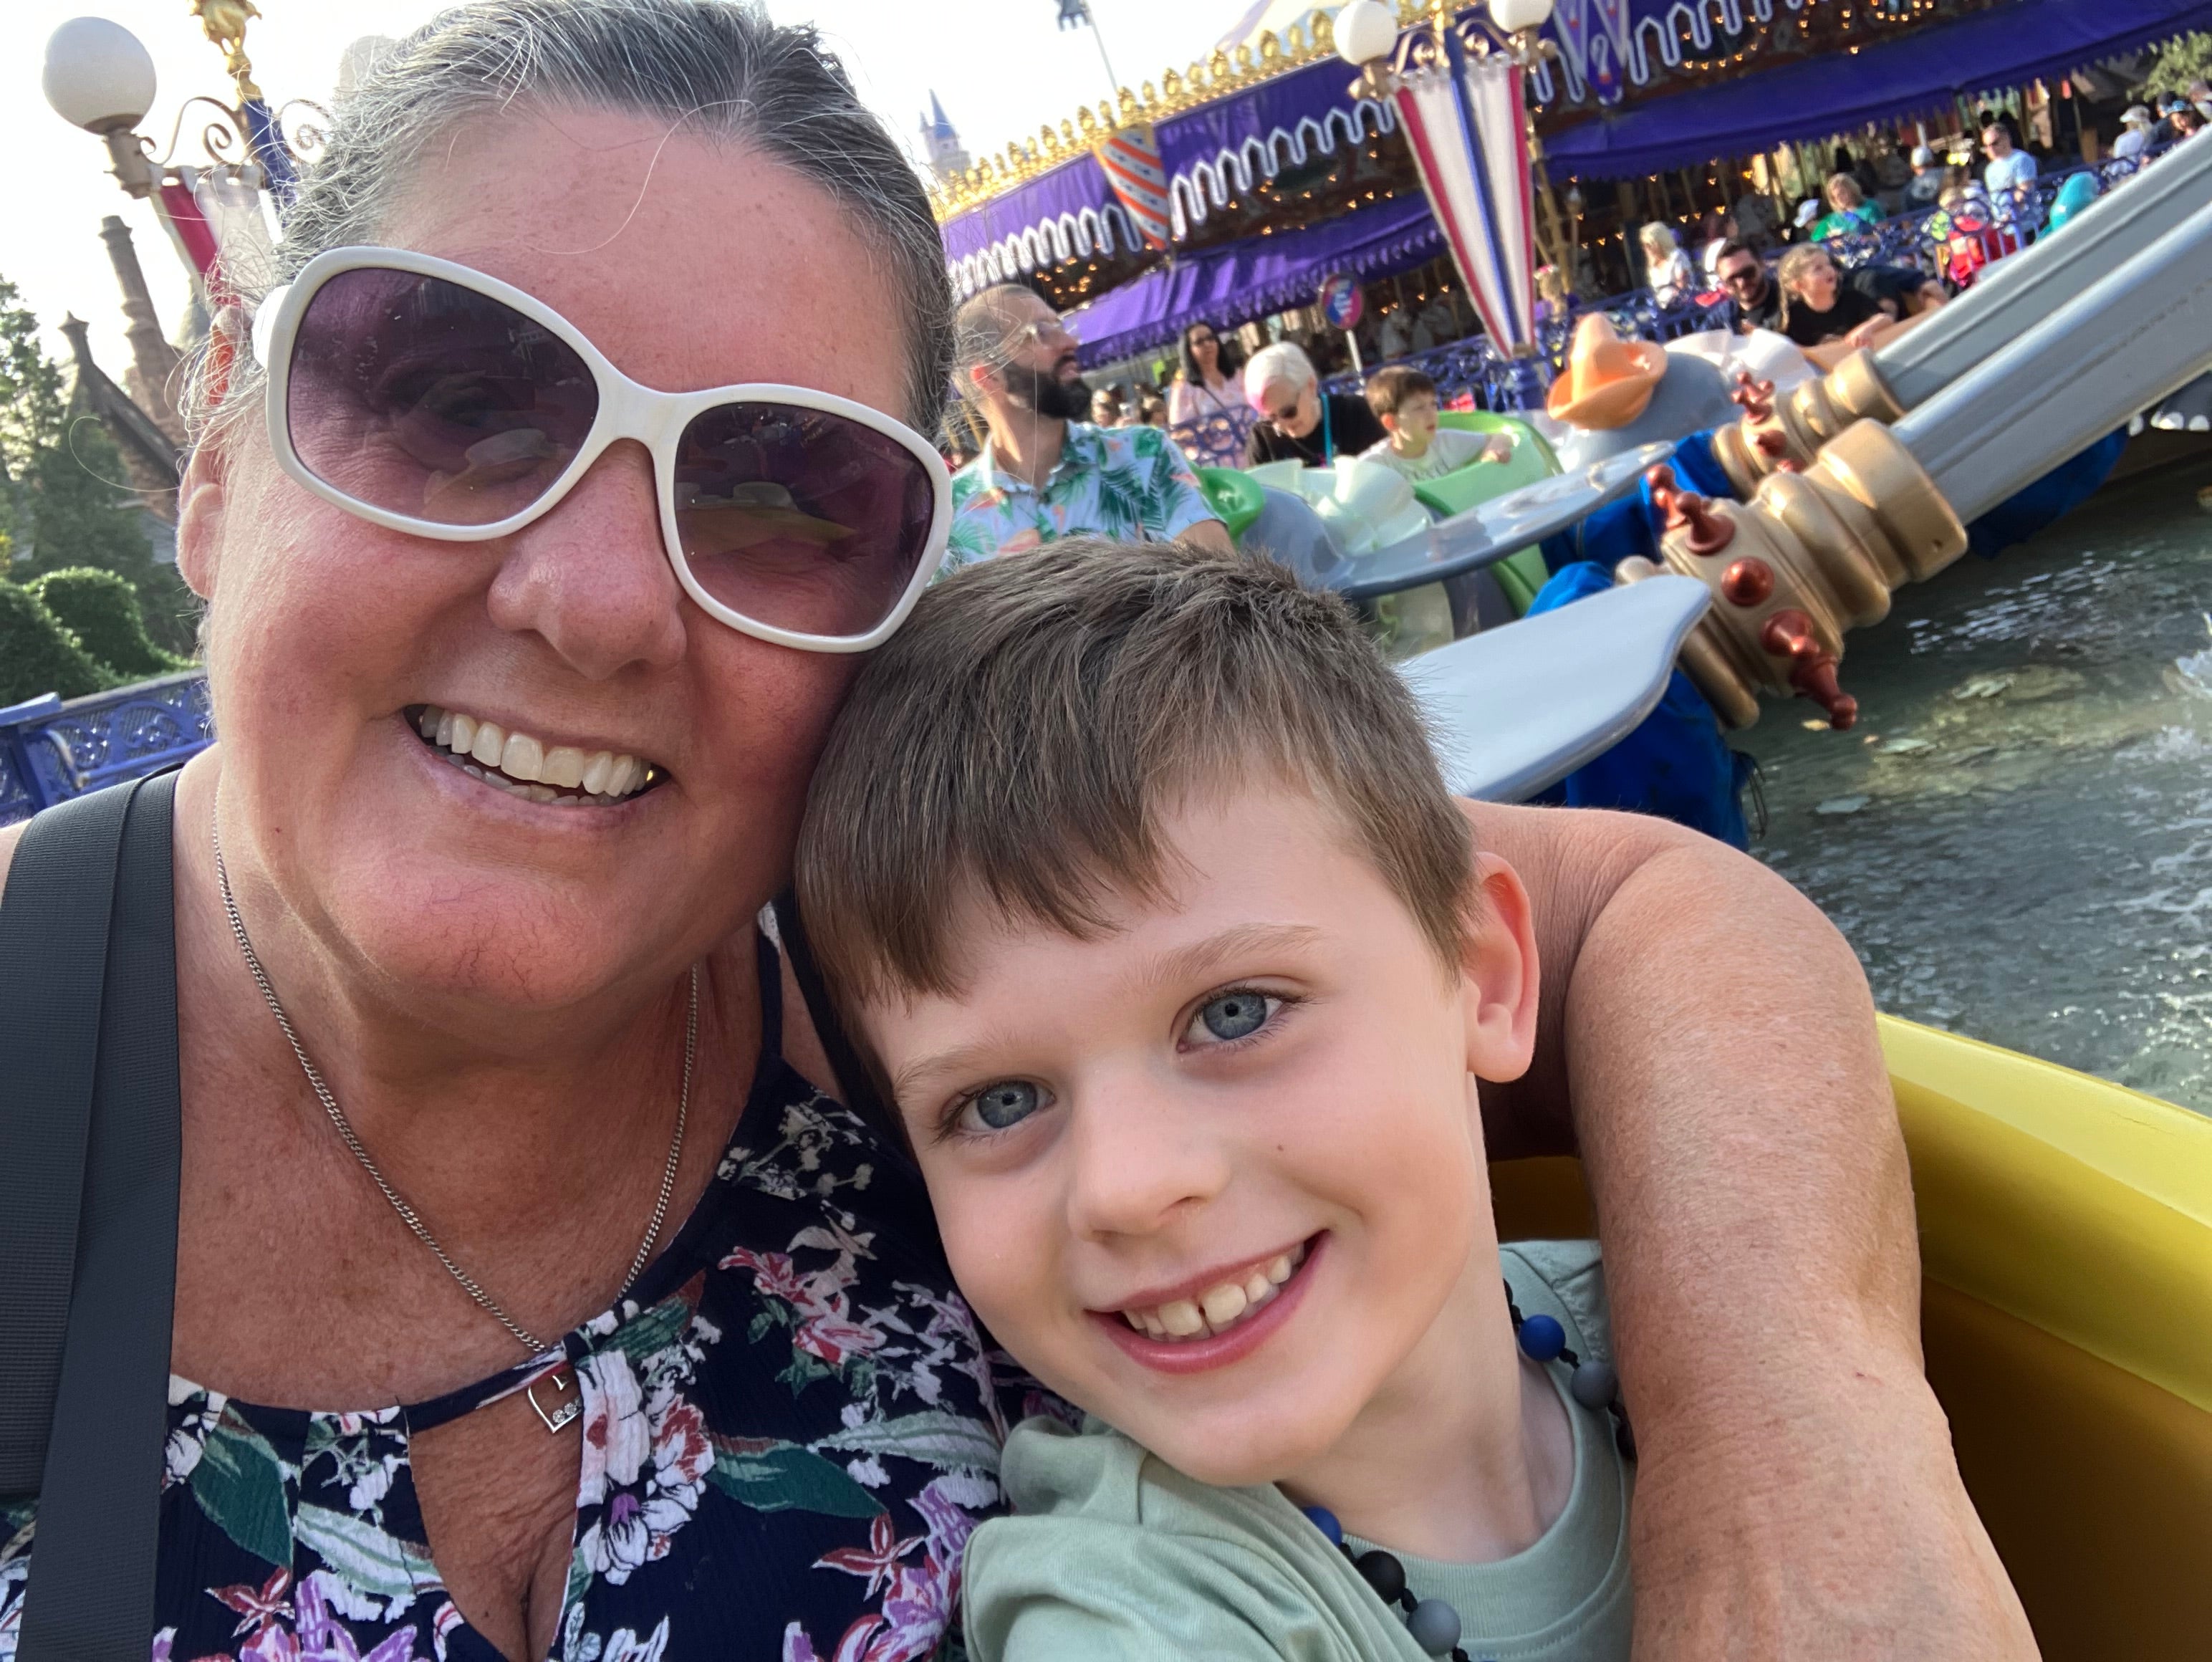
[1341, 306]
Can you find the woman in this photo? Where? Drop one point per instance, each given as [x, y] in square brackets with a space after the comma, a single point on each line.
[1667, 268]
[1850, 212]
[1298, 422]
[1206, 411]
[552, 1028]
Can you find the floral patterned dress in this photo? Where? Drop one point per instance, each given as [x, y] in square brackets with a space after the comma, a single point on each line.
[790, 1427]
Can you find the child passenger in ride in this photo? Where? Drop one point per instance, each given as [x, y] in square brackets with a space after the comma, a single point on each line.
[1405, 401]
[1132, 871]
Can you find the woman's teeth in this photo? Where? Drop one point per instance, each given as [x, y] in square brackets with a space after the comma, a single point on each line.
[524, 766]
[1219, 1307]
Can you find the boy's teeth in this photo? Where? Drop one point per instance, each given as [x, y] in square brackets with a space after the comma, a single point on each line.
[1219, 1307]
[523, 766]
[1181, 1318]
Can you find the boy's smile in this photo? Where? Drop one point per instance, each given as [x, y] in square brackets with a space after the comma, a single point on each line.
[1215, 1172]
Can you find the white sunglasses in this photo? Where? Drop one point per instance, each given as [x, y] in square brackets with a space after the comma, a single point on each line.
[428, 397]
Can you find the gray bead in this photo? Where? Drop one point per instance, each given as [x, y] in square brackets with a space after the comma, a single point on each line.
[1435, 1627]
[1594, 1384]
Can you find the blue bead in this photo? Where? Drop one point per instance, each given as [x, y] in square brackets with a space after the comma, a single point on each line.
[1543, 1337]
[1595, 1385]
[1435, 1627]
[1325, 1521]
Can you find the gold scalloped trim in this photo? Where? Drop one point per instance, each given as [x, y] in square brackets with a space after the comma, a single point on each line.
[1218, 77]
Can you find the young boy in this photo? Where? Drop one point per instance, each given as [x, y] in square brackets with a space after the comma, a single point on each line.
[1132, 871]
[1405, 401]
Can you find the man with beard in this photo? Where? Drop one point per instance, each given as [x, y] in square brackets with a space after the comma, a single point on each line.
[1045, 472]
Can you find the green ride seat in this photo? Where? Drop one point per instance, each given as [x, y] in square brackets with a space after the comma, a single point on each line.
[1521, 573]
[1236, 497]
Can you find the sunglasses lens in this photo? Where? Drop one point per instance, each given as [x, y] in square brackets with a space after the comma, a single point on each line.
[801, 519]
[415, 395]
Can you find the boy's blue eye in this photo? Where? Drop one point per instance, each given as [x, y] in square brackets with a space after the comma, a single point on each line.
[1234, 1015]
[1007, 1103]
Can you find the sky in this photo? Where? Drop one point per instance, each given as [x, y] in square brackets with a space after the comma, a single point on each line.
[1002, 68]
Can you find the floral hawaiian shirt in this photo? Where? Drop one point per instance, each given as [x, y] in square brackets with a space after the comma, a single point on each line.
[1126, 482]
[790, 1429]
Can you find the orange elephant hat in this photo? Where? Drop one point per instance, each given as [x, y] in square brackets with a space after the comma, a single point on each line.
[1608, 380]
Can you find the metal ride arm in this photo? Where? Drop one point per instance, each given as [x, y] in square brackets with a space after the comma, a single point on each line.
[1817, 552]
[2016, 293]
[2012, 298]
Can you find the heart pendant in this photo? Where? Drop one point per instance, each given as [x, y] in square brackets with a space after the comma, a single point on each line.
[567, 1402]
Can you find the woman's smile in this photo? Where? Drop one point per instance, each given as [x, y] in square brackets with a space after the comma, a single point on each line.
[524, 765]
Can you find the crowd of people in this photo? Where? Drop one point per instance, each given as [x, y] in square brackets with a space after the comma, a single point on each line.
[1977, 199]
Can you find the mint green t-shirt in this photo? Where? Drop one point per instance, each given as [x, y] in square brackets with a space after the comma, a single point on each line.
[1111, 1555]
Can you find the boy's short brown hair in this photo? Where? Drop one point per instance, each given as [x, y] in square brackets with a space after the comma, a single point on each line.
[1387, 390]
[1019, 738]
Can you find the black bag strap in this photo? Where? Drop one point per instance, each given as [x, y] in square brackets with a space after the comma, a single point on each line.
[53, 959]
[88, 939]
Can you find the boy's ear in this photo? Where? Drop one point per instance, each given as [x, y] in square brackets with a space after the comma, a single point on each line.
[1500, 975]
[1389, 423]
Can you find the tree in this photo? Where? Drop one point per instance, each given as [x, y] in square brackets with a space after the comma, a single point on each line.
[64, 499]
[37, 653]
[2183, 59]
[103, 612]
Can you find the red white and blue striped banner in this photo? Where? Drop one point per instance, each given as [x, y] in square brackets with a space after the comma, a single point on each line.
[1464, 121]
[1131, 158]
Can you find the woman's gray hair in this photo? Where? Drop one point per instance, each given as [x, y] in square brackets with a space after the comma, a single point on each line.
[721, 65]
[1285, 361]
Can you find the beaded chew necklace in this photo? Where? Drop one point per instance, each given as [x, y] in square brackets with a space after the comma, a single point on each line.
[1433, 1622]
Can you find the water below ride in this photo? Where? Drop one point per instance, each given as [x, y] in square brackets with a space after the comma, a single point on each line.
[2017, 838]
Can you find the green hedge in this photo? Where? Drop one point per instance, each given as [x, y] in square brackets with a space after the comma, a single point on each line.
[101, 610]
[38, 654]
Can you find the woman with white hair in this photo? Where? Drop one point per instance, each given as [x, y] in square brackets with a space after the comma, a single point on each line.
[1298, 422]
[1674, 280]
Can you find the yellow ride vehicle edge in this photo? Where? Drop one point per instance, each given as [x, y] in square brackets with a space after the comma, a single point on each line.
[2066, 1253]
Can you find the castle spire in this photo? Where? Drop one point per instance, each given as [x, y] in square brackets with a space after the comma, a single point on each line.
[946, 157]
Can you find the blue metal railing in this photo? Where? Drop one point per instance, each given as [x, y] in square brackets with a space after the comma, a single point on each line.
[51, 750]
[1918, 239]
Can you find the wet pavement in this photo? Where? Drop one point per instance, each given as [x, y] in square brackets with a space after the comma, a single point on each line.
[2018, 836]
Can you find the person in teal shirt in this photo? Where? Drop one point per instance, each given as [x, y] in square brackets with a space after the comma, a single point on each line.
[1044, 473]
[1175, 967]
[1852, 213]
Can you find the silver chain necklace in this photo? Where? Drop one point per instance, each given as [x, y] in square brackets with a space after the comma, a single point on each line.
[408, 1215]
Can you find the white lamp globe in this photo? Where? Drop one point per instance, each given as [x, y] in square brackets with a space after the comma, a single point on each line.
[98, 77]
[1515, 15]
[1365, 30]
